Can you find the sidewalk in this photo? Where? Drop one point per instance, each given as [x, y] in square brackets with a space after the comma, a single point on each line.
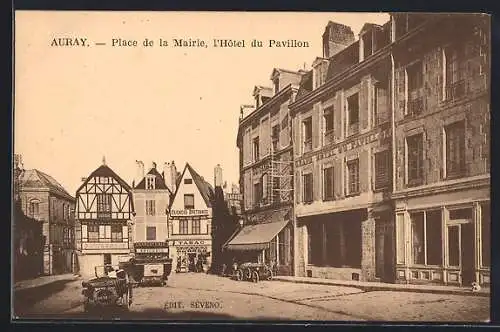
[381, 286]
[43, 280]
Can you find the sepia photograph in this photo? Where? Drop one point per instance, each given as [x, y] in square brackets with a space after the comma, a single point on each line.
[251, 166]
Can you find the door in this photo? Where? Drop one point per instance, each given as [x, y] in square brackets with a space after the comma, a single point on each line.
[467, 259]
[107, 259]
[383, 251]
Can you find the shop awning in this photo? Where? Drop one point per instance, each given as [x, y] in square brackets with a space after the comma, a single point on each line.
[258, 236]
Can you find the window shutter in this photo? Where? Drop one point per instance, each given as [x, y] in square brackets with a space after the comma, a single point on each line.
[316, 126]
[337, 178]
[296, 132]
[364, 100]
[364, 164]
[317, 182]
[337, 116]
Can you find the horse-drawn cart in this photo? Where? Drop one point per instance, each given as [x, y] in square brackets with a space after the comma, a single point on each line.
[253, 272]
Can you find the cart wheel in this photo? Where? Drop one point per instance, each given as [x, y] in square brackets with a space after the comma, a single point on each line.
[239, 275]
[255, 276]
[270, 276]
[248, 274]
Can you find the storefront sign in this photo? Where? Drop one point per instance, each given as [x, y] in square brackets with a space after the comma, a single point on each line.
[189, 212]
[344, 147]
[151, 250]
[188, 243]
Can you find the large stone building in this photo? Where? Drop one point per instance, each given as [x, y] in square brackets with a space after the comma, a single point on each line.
[266, 173]
[104, 213]
[44, 199]
[391, 151]
[151, 201]
[190, 221]
[442, 147]
[341, 121]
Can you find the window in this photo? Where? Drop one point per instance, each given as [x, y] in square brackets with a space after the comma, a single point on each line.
[276, 196]
[307, 134]
[485, 234]
[307, 194]
[196, 226]
[116, 233]
[255, 145]
[455, 149]
[328, 121]
[382, 169]
[93, 233]
[415, 96]
[453, 246]
[103, 206]
[34, 209]
[150, 207]
[183, 226]
[265, 187]
[415, 157]
[188, 181]
[66, 236]
[257, 193]
[315, 243]
[151, 233]
[426, 237]
[353, 114]
[353, 176]
[150, 182]
[107, 259]
[188, 201]
[275, 136]
[454, 71]
[328, 193]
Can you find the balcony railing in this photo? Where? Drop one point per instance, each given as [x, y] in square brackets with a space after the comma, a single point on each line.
[455, 90]
[329, 137]
[308, 145]
[416, 106]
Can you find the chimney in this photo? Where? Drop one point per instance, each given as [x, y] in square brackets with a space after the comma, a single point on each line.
[218, 176]
[153, 165]
[166, 175]
[335, 38]
[173, 176]
[139, 175]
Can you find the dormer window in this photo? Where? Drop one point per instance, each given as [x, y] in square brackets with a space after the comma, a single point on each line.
[367, 44]
[276, 83]
[257, 101]
[150, 182]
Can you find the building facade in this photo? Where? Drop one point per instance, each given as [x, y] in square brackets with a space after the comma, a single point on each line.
[342, 144]
[44, 199]
[104, 214]
[442, 148]
[151, 201]
[266, 176]
[190, 222]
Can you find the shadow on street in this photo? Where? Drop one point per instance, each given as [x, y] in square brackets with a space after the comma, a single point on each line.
[25, 299]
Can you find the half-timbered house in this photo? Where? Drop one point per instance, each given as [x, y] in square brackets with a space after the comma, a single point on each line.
[104, 209]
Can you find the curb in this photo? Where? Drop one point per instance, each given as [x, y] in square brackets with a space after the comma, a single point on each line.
[373, 288]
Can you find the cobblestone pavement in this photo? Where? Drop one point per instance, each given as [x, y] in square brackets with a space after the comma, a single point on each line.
[202, 296]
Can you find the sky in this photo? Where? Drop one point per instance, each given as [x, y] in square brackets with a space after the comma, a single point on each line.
[76, 105]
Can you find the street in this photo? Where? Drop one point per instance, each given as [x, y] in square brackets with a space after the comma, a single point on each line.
[201, 296]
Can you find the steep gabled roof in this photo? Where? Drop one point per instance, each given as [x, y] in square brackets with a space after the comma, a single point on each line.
[206, 190]
[369, 26]
[305, 85]
[33, 178]
[159, 181]
[104, 170]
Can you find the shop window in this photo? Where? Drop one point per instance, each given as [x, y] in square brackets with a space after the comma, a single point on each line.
[255, 147]
[353, 114]
[188, 201]
[455, 149]
[93, 233]
[382, 169]
[307, 194]
[196, 225]
[307, 134]
[417, 231]
[485, 234]
[116, 233]
[315, 243]
[328, 193]
[150, 207]
[453, 246]
[183, 226]
[415, 159]
[433, 237]
[461, 214]
[104, 206]
[151, 233]
[353, 177]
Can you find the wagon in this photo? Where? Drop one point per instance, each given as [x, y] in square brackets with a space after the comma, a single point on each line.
[111, 288]
[253, 272]
[148, 272]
